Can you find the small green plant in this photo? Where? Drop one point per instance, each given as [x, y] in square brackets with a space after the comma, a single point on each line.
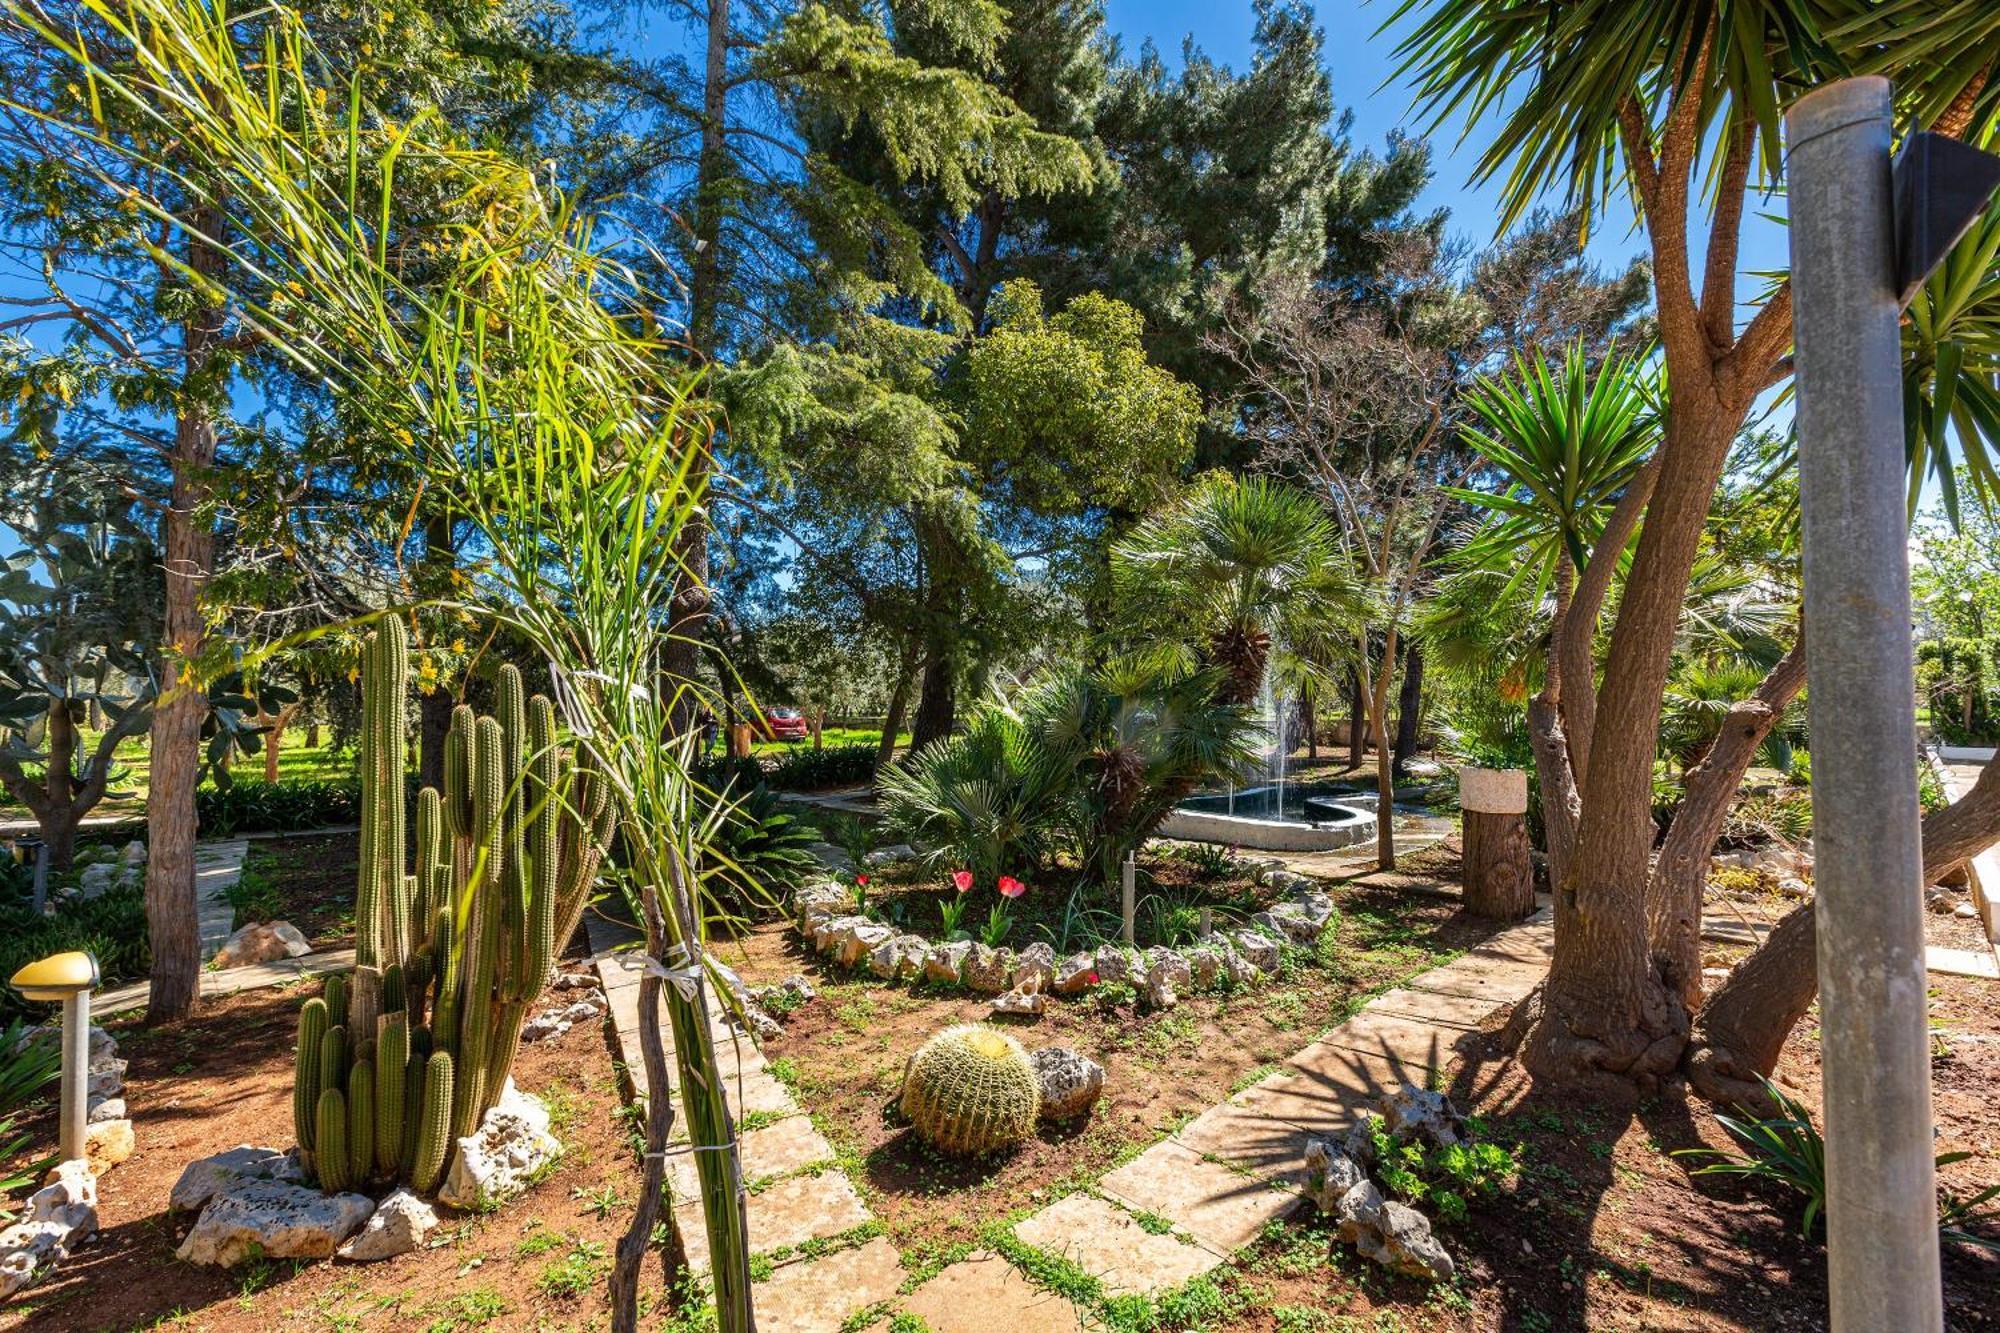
[951, 913]
[1785, 1149]
[1446, 1177]
[574, 1273]
[998, 922]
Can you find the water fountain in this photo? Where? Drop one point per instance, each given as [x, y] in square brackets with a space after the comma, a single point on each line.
[1276, 812]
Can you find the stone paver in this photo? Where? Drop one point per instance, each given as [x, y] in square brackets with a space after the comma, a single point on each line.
[774, 1150]
[1108, 1243]
[1219, 1207]
[1250, 1135]
[1432, 1006]
[1392, 1037]
[821, 1295]
[788, 1214]
[982, 1293]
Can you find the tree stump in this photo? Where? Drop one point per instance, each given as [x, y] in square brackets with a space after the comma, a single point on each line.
[1499, 877]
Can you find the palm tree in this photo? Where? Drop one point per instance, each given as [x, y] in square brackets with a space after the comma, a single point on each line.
[1679, 102]
[1233, 565]
[1570, 446]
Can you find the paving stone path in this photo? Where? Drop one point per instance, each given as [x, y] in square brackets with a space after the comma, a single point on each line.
[804, 1195]
[1215, 1183]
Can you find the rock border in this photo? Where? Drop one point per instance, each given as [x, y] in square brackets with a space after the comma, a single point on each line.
[1020, 982]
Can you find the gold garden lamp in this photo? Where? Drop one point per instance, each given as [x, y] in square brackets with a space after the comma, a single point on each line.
[70, 978]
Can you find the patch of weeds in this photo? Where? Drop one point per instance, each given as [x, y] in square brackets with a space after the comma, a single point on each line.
[864, 1317]
[574, 1273]
[562, 1108]
[466, 1309]
[1250, 1078]
[1285, 1009]
[925, 1260]
[540, 1241]
[786, 1071]
[1048, 1271]
[1179, 1033]
[599, 1201]
[758, 1120]
[1152, 1223]
[905, 1322]
[856, 1014]
[1303, 1319]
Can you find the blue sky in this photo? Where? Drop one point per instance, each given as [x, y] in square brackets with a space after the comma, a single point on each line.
[1363, 67]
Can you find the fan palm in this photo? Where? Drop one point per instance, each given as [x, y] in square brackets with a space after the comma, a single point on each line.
[983, 800]
[1137, 742]
[1231, 565]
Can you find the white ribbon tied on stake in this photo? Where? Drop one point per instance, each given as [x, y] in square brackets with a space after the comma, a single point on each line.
[686, 980]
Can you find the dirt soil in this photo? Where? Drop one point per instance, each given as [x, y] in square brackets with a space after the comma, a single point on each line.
[224, 1078]
[309, 881]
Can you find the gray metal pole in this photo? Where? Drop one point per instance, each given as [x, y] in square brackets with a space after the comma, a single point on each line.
[1882, 1236]
[75, 1075]
[1128, 874]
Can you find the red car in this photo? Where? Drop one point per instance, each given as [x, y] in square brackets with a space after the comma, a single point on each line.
[783, 724]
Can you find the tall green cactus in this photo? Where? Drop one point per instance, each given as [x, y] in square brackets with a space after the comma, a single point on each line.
[331, 1134]
[505, 853]
[306, 1071]
[361, 1121]
[392, 1057]
[434, 1134]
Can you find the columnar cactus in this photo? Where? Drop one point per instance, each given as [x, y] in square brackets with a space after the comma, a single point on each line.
[971, 1089]
[434, 1133]
[417, 1042]
[331, 1134]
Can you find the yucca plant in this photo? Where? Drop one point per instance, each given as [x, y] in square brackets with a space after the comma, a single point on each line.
[549, 420]
[1785, 1150]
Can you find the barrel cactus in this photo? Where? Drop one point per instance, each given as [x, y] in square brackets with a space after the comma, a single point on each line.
[971, 1089]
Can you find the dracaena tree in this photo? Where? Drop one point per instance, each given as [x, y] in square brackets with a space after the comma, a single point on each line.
[1677, 103]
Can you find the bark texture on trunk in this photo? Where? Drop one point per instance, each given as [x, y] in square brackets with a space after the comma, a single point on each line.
[892, 721]
[1499, 876]
[188, 546]
[1385, 777]
[1673, 897]
[1744, 1025]
[1357, 720]
[937, 706]
[1409, 709]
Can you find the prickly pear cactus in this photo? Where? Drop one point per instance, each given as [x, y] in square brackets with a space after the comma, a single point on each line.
[971, 1089]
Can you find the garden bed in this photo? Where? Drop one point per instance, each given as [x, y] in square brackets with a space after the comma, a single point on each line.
[225, 1078]
[307, 880]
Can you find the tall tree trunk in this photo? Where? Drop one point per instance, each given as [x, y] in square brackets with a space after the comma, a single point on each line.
[689, 612]
[189, 549]
[1673, 898]
[899, 701]
[937, 706]
[1743, 1027]
[1385, 777]
[1605, 1013]
[1309, 714]
[1357, 720]
[1409, 709]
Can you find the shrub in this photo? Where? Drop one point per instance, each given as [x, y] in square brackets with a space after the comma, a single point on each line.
[111, 926]
[970, 1090]
[286, 806]
[1446, 1177]
[985, 799]
[757, 853]
[806, 769]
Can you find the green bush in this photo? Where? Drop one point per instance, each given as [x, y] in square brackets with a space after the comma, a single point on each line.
[26, 1068]
[276, 807]
[112, 927]
[758, 852]
[807, 769]
[1447, 1177]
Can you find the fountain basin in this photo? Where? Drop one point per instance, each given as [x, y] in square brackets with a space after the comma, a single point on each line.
[1276, 818]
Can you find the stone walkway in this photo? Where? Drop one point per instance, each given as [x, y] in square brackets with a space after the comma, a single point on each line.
[1215, 1183]
[802, 1196]
[217, 867]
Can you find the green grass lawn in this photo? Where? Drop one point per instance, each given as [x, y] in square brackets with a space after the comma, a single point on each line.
[834, 736]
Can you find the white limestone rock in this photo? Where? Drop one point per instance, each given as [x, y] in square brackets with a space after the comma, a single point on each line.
[1020, 1002]
[512, 1144]
[105, 1108]
[1392, 1234]
[1075, 974]
[203, 1179]
[856, 942]
[989, 971]
[1035, 968]
[58, 1217]
[893, 854]
[1411, 1112]
[262, 942]
[398, 1225]
[1071, 1082]
[1114, 964]
[946, 963]
[271, 1219]
[1333, 1173]
[1167, 974]
[1258, 948]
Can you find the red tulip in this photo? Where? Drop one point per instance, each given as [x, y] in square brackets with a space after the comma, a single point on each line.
[1011, 887]
[861, 880]
[963, 879]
